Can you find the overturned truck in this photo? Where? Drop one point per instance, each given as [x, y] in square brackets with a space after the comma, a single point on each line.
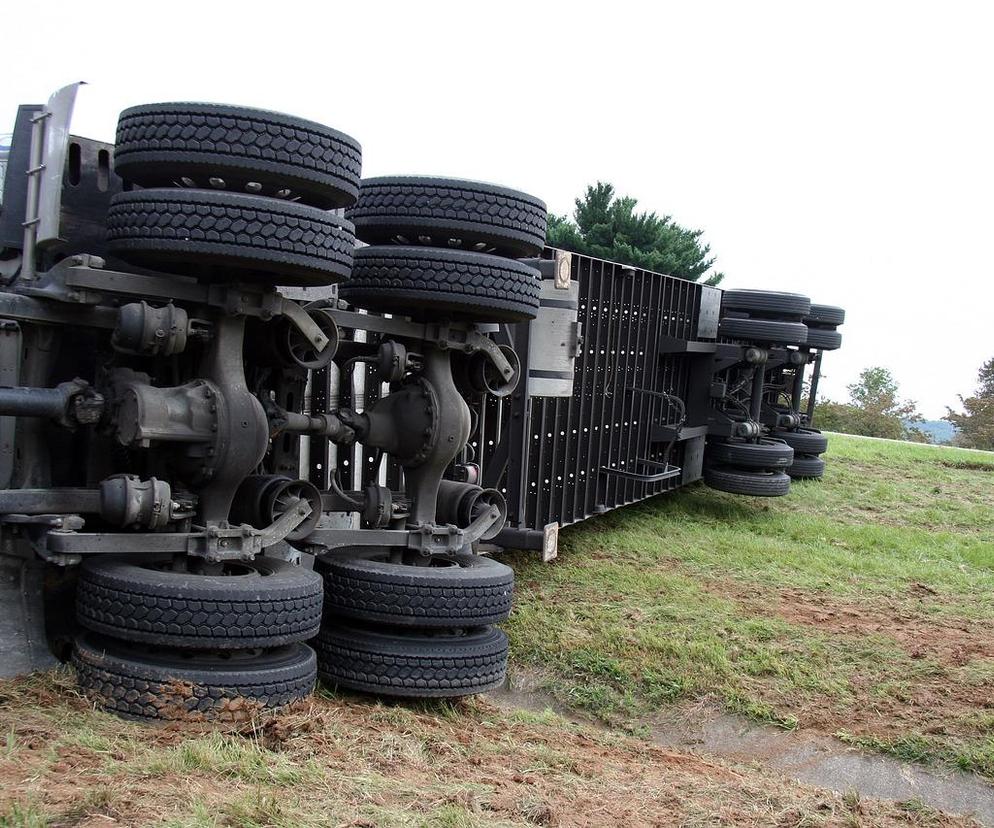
[240, 449]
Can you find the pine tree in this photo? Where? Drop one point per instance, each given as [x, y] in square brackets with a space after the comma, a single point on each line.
[611, 228]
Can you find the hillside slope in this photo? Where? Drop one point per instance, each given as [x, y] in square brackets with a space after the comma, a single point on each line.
[860, 605]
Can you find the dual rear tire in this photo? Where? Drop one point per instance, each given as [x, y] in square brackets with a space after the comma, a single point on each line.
[764, 317]
[233, 194]
[446, 247]
[822, 322]
[752, 482]
[808, 444]
[161, 644]
[415, 631]
[754, 468]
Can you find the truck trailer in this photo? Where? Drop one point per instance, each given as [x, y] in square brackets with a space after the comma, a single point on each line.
[264, 421]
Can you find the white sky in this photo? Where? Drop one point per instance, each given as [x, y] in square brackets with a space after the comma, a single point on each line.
[842, 150]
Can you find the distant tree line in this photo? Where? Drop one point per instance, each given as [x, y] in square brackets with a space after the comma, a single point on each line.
[875, 409]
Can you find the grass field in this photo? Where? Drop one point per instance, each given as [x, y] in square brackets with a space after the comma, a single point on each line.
[338, 761]
[860, 605]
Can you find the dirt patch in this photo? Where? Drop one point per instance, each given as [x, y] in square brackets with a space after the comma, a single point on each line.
[910, 622]
[969, 465]
[374, 764]
[940, 701]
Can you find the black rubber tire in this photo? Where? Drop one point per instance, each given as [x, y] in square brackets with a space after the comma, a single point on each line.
[269, 603]
[424, 281]
[826, 315]
[823, 339]
[147, 683]
[460, 590]
[803, 441]
[449, 212]
[747, 482]
[765, 454]
[227, 236]
[807, 467]
[763, 331]
[412, 665]
[768, 303]
[251, 150]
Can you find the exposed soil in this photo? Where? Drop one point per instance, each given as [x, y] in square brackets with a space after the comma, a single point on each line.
[807, 756]
[969, 465]
[940, 701]
[921, 633]
[371, 764]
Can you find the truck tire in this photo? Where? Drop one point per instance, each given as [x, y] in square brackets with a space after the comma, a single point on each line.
[807, 467]
[146, 683]
[764, 454]
[768, 303]
[457, 590]
[260, 603]
[754, 483]
[412, 665]
[428, 281]
[241, 149]
[826, 315]
[763, 331]
[230, 236]
[824, 340]
[803, 441]
[449, 212]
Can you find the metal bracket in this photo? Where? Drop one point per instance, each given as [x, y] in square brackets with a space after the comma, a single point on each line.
[83, 279]
[304, 323]
[49, 145]
[448, 336]
[212, 543]
[296, 513]
[427, 539]
[667, 472]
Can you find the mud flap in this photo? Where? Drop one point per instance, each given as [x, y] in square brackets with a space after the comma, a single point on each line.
[23, 644]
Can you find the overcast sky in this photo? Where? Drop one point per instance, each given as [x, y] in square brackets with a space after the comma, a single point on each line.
[841, 150]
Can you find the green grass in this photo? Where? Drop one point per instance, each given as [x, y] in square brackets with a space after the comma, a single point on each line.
[645, 605]
[226, 757]
[647, 608]
[24, 815]
[347, 761]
